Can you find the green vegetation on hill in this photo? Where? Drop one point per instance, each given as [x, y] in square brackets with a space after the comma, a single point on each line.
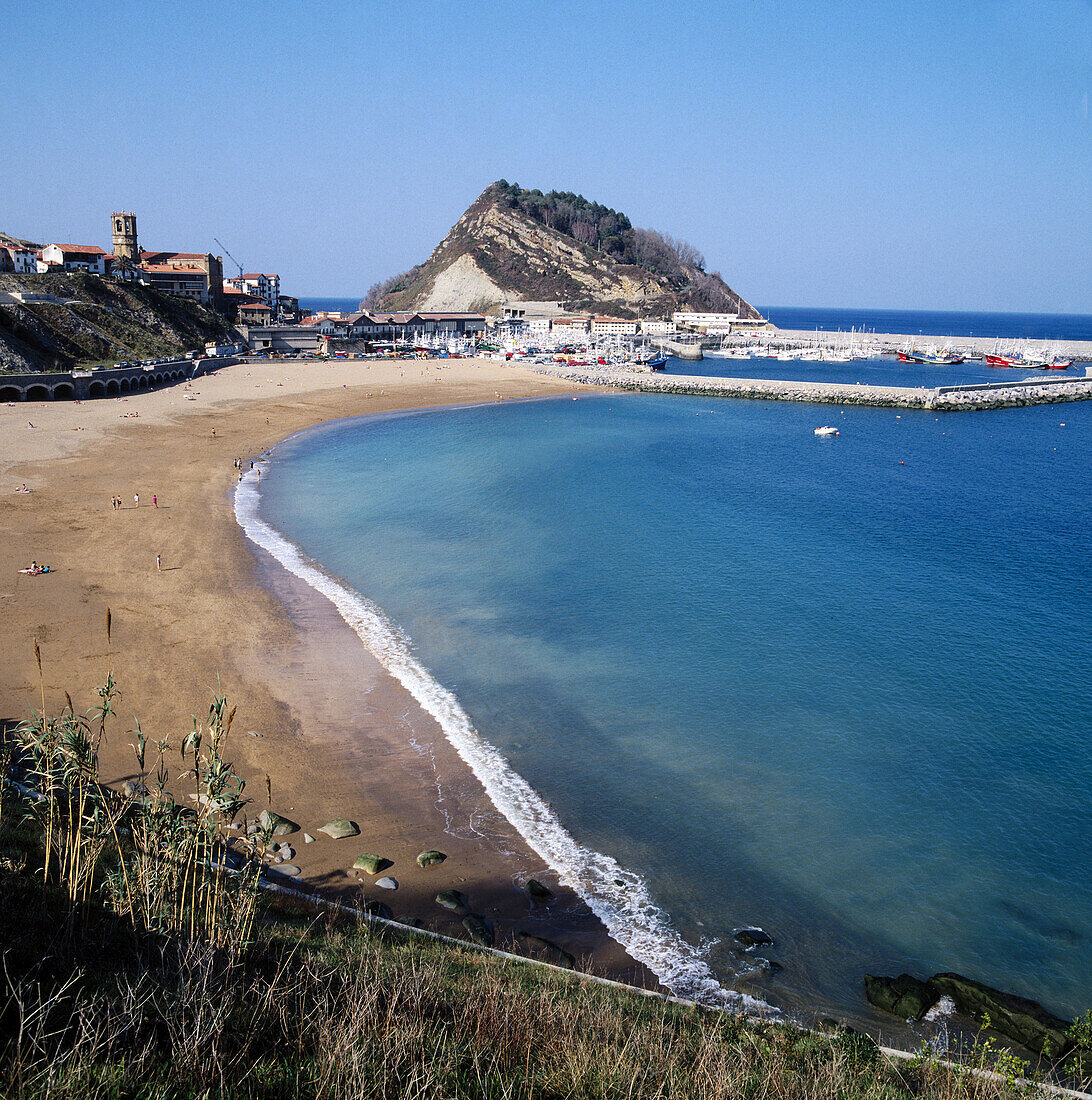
[136, 964]
[97, 320]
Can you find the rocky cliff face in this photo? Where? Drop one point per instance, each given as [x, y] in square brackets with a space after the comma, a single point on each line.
[504, 248]
[96, 320]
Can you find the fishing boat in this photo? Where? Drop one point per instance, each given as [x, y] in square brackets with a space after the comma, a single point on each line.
[931, 355]
[659, 362]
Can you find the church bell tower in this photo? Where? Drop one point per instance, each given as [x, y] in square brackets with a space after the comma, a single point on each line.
[125, 237]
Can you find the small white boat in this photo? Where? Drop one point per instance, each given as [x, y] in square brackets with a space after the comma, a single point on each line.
[826, 429]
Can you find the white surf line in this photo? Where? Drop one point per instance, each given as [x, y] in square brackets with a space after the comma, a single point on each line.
[628, 912]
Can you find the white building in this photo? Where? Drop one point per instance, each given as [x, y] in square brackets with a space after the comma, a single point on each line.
[537, 326]
[23, 261]
[572, 324]
[75, 257]
[657, 328]
[259, 285]
[613, 326]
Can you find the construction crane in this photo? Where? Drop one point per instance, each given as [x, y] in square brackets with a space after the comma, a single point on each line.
[229, 255]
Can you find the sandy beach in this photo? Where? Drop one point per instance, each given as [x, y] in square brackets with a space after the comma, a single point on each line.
[317, 714]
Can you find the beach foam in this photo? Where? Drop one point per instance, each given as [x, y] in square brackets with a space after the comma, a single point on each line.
[628, 912]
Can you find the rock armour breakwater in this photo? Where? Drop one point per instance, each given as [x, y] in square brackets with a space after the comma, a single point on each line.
[946, 399]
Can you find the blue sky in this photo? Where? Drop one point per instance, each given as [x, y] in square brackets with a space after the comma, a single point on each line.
[930, 155]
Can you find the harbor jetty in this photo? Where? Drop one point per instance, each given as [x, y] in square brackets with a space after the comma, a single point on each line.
[993, 395]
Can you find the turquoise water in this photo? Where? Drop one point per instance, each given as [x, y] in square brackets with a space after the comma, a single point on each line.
[837, 688]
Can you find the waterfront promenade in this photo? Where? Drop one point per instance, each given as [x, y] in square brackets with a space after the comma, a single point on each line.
[997, 395]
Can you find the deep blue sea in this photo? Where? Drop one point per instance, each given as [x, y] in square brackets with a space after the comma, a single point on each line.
[834, 687]
[1039, 326]
[332, 305]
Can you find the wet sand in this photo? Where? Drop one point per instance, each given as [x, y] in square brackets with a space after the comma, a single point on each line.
[317, 714]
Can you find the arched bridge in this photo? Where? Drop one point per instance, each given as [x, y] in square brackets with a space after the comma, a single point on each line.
[114, 382]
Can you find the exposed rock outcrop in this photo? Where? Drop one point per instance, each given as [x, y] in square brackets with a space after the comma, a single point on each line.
[518, 244]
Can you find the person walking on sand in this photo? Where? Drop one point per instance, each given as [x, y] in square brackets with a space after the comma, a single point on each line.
[158, 564]
[136, 500]
[155, 501]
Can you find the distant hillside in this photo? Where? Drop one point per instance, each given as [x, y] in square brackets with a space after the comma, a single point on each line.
[18, 242]
[518, 244]
[100, 321]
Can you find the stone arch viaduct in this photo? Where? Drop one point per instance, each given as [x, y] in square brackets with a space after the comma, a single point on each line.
[115, 382]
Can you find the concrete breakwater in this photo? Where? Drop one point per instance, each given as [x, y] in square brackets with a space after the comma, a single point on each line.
[1035, 391]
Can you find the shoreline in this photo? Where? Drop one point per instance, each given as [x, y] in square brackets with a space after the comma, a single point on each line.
[338, 736]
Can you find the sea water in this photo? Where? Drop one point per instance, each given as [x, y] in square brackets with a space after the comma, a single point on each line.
[834, 687]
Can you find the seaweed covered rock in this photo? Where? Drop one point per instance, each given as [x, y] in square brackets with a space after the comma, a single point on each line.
[453, 901]
[371, 863]
[753, 937]
[539, 890]
[275, 824]
[340, 828]
[1018, 1018]
[557, 955]
[430, 858]
[479, 929]
[904, 996]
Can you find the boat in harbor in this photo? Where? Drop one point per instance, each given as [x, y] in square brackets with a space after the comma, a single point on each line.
[826, 429]
[658, 363]
[934, 356]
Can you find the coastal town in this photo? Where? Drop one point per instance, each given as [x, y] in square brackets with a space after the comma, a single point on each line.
[272, 321]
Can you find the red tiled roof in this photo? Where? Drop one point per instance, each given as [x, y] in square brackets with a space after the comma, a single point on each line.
[172, 269]
[85, 249]
[256, 275]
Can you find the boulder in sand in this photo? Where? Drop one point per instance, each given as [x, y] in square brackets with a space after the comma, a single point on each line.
[430, 858]
[387, 883]
[539, 890]
[479, 929]
[275, 824]
[371, 863]
[549, 949]
[340, 828]
[453, 901]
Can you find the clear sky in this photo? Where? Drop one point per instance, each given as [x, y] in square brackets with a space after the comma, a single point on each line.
[885, 154]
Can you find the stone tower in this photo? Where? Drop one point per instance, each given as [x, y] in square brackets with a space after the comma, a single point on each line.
[125, 237]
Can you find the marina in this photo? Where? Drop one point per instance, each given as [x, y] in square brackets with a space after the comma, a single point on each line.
[1011, 394]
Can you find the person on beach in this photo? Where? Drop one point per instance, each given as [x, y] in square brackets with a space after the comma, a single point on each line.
[158, 564]
[136, 500]
[155, 501]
